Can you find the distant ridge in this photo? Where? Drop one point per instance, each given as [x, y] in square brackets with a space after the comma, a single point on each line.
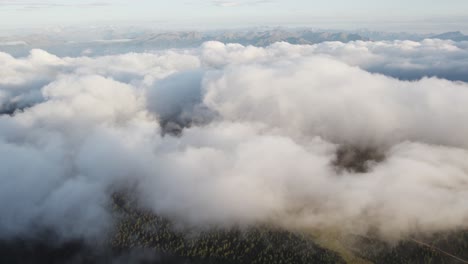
[455, 36]
[109, 42]
[105, 41]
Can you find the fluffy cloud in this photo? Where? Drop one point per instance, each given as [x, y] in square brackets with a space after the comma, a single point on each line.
[324, 97]
[264, 129]
[22, 78]
[407, 60]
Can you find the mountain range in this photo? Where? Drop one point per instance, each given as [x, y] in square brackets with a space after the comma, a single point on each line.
[104, 41]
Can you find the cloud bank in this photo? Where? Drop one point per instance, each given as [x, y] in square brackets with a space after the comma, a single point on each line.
[264, 135]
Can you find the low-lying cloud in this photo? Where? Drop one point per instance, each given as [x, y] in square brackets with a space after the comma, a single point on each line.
[265, 135]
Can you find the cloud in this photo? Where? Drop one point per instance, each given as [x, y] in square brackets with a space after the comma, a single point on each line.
[50, 4]
[370, 109]
[13, 43]
[406, 60]
[259, 137]
[227, 3]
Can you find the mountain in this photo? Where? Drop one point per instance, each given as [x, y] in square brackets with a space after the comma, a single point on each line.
[389, 36]
[106, 41]
[455, 36]
[109, 41]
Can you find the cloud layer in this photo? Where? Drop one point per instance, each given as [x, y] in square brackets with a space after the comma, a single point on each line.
[49, 4]
[262, 133]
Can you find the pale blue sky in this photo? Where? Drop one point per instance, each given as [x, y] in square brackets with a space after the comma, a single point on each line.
[236, 13]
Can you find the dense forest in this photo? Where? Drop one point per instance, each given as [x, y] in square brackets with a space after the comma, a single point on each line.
[142, 237]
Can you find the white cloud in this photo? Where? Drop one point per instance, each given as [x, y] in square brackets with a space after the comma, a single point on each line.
[273, 120]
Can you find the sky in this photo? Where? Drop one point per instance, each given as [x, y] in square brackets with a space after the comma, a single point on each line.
[237, 13]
